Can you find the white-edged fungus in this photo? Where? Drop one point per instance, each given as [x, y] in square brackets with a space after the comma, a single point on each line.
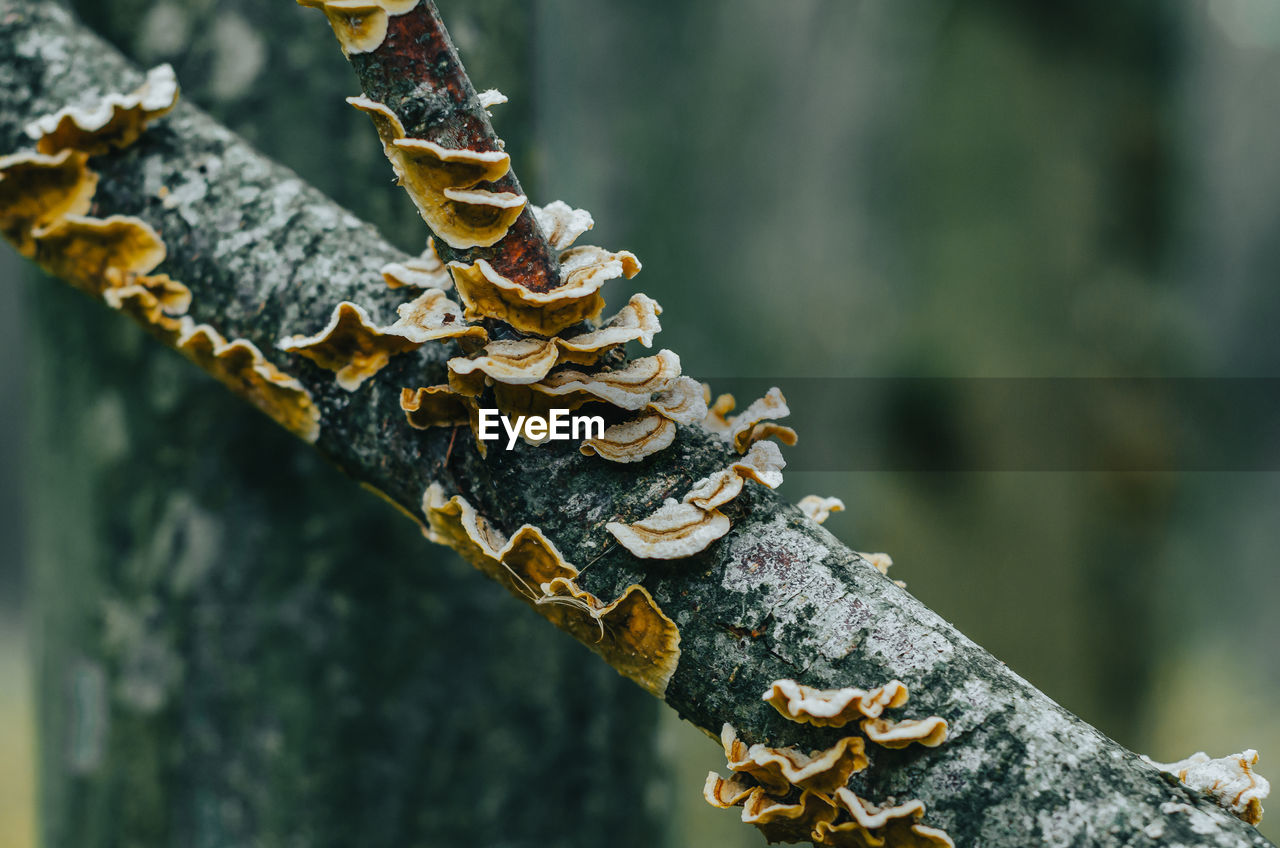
[1230, 781]
[780, 769]
[97, 253]
[637, 321]
[242, 367]
[353, 346]
[872, 825]
[929, 732]
[881, 562]
[631, 387]
[432, 317]
[444, 182]
[763, 463]
[422, 272]
[726, 792]
[516, 362]
[753, 423]
[631, 633]
[436, 406]
[681, 402]
[591, 267]
[488, 294]
[115, 121]
[788, 821]
[155, 302]
[675, 531]
[491, 97]
[36, 190]
[827, 813]
[832, 707]
[360, 25]
[561, 223]
[818, 509]
[632, 441]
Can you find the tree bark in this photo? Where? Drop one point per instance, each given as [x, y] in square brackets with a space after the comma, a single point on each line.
[776, 598]
[235, 646]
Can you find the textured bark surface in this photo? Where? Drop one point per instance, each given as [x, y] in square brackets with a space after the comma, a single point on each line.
[237, 646]
[265, 256]
[417, 73]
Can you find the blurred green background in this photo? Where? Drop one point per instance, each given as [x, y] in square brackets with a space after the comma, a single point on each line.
[877, 189]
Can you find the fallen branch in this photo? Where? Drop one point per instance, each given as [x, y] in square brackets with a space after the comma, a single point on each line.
[263, 257]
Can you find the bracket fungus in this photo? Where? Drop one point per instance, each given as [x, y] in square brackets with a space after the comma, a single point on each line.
[631, 387]
[763, 463]
[432, 316]
[929, 732]
[115, 121]
[360, 25]
[516, 362]
[241, 366]
[726, 792]
[36, 190]
[631, 632]
[436, 406]
[818, 509]
[353, 346]
[675, 531]
[681, 401]
[637, 321]
[446, 184]
[96, 253]
[491, 97]
[833, 707]
[765, 780]
[43, 200]
[560, 223]
[780, 769]
[152, 301]
[678, 530]
[1230, 781]
[488, 294]
[632, 441]
[788, 821]
[870, 825]
[422, 272]
[753, 423]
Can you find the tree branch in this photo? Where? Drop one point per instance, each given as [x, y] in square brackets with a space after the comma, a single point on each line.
[264, 257]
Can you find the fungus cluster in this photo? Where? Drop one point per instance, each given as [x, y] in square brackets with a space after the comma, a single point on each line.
[44, 200]
[679, 529]
[521, 351]
[631, 632]
[757, 421]
[526, 349]
[450, 186]
[526, 352]
[796, 797]
[1230, 781]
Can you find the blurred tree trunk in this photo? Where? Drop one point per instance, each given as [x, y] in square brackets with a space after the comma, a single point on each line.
[233, 649]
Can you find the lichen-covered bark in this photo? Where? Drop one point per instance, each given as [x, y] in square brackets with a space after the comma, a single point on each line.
[265, 256]
[237, 647]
